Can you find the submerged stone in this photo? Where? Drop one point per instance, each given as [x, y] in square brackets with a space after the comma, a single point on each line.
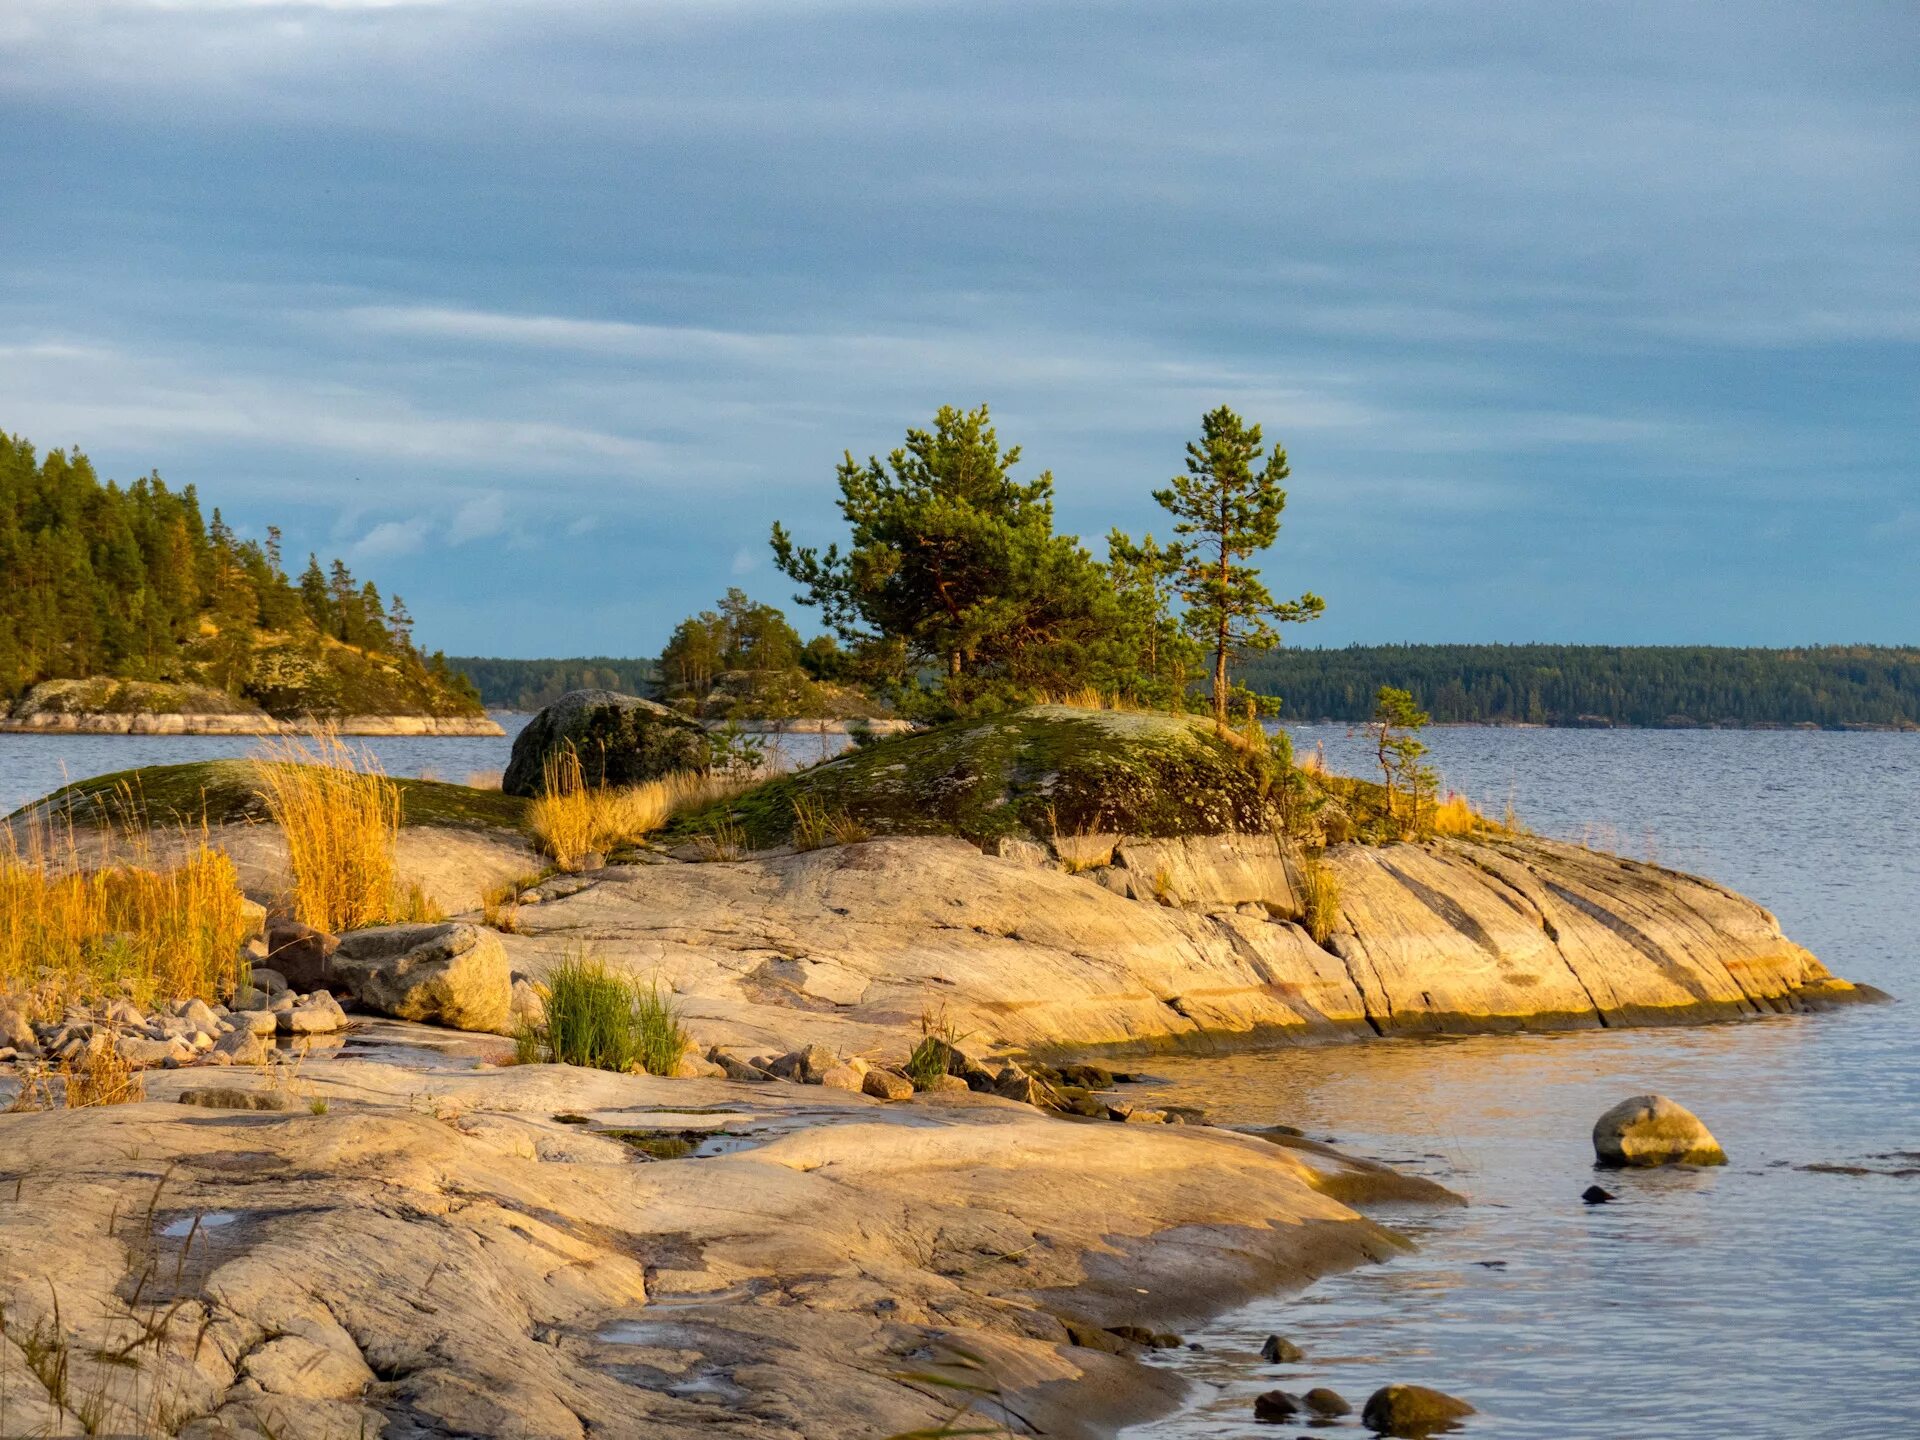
[1653, 1130]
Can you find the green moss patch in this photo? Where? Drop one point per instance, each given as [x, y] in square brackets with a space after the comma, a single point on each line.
[225, 791]
[1040, 771]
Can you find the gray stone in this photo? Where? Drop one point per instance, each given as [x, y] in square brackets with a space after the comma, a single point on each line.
[199, 1015]
[691, 1067]
[620, 739]
[452, 974]
[527, 1005]
[266, 978]
[238, 1047]
[257, 1022]
[1653, 1130]
[144, 1054]
[1413, 1412]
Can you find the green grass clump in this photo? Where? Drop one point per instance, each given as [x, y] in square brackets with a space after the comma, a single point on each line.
[601, 1019]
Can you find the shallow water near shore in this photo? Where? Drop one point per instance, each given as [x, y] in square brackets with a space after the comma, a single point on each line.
[1762, 1299]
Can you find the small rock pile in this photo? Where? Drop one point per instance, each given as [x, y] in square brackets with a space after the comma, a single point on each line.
[186, 1032]
[1065, 1089]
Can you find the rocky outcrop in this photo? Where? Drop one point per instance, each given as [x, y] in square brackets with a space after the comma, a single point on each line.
[1653, 1130]
[620, 740]
[449, 974]
[850, 946]
[396, 1254]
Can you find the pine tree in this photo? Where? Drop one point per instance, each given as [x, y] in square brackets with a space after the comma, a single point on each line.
[1231, 513]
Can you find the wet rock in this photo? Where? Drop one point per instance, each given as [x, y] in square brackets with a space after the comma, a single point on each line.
[452, 974]
[1412, 1412]
[1275, 1406]
[1594, 1195]
[1322, 1401]
[1147, 1339]
[301, 955]
[887, 1085]
[226, 1097]
[1278, 1350]
[1653, 1130]
[1089, 1336]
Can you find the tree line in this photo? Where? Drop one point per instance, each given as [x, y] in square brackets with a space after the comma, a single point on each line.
[136, 583]
[530, 684]
[1656, 686]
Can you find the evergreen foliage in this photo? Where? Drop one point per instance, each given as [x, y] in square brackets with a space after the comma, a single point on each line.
[1659, 686]
[956, 562]
[534, 684]
[1230, 512]
[134, 583]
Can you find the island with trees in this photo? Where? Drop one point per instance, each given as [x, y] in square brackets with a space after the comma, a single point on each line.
[128, 610]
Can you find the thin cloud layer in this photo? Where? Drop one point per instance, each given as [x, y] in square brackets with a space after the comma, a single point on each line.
[1594, 325]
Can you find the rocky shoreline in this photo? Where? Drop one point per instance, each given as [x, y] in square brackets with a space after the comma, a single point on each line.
[153, 723]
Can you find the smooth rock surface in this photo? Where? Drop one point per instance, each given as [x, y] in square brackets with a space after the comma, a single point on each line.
[444, 1257]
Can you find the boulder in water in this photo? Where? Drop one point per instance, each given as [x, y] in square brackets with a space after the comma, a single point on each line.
[1653, 1130]
[620, 739]
[1413, 1412]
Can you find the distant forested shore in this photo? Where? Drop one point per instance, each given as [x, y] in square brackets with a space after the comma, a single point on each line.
[1654, 686]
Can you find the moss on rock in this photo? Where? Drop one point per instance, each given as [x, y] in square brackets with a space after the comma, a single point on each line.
[227, 791]
[1041, 771]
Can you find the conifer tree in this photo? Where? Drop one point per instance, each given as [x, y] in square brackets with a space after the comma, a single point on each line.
[1230, 512]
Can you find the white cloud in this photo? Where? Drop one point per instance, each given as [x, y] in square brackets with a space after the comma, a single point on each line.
[745, 561]
[480, 517]
[390, 538]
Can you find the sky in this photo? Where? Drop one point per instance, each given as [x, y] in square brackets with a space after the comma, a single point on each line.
[1587, 323]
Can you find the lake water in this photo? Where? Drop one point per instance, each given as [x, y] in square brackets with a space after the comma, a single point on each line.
[1759, 1300]
[34, 765]
[1763, 1300]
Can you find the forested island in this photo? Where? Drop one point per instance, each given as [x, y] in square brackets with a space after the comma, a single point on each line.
[126, 603]
[1656, 686]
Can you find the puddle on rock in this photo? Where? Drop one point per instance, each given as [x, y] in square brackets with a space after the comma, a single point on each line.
[179, 1229]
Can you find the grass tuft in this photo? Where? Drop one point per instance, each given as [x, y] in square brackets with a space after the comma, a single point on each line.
[341, 816]
[572, 819]
[599, 1018]
[1319, 900]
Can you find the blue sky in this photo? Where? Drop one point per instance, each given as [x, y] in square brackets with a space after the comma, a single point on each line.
[1586, 323]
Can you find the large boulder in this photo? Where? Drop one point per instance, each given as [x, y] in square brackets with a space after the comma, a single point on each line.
[451, 974]
[1413, 1411]
[620, 739]
[1653, 1130]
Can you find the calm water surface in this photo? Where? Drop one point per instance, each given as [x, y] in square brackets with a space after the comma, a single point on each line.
[34, 765]
[1758, 1300]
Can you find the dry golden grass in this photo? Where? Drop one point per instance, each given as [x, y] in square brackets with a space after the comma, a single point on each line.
[103, 1078]
[572, 819]
[1455, 815]
[119, 924]
[1319, 900]
[341, 817]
